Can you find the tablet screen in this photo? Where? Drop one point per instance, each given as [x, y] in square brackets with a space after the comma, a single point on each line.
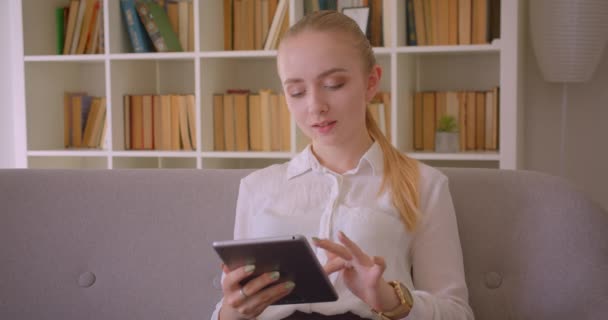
[291, 256]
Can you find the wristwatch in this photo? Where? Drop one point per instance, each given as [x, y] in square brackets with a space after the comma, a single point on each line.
[405, 303]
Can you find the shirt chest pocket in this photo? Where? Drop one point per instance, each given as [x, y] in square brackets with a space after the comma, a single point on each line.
[278, 218]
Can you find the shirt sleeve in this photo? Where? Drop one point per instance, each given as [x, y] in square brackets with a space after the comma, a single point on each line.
[241, 222]
[440, 291]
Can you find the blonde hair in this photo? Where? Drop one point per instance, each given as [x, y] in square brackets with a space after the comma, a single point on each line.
[401, 173]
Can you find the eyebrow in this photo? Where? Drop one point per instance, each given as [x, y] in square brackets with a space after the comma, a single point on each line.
[321, 75]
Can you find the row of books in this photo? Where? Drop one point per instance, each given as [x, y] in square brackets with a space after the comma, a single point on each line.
[452, 22]
[84, 120]
[79, 27]
[476, 112]
[159, 25]
[254, 24]
[159, 122]
[246, 121]
[377, 30]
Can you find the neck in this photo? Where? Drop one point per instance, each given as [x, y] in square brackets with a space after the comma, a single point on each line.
[344, 157]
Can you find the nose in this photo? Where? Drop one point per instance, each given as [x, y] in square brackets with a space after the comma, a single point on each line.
[317, 103]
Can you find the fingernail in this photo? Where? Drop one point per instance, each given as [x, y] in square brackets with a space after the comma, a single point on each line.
[289, 285]
[274, 275]
[315, 239]
[249, 268]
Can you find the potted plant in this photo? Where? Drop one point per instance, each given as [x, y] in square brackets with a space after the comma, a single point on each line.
[447, 136]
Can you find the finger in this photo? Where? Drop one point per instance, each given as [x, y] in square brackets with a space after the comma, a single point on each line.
[232, 279]
[357, 253]
[334, 248]
[380, 262]
[334, 265]
[256, 305]
[253, 286]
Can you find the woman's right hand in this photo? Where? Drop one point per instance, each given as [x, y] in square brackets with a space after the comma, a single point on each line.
[250, 300]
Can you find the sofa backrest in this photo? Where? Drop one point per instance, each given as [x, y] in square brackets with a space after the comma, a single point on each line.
[136, 244]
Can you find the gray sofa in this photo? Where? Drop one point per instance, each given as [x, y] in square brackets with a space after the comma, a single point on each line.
[136, 244]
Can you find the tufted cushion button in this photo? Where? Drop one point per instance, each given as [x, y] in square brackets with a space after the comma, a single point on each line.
[86, 279]
[493, 280]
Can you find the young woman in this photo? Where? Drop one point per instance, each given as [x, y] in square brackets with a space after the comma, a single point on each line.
[383, 224]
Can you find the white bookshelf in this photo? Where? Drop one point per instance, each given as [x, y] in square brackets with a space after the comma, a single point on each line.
[42, 77]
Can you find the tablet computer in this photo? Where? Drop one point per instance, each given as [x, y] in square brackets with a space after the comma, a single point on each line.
[291, 256]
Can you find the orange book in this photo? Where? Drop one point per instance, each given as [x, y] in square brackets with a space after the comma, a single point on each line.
[255, 123]
[127, 121]
[471, 122]
[462, 116]
[165, 122]
[480, 117]
[218, 123]
[266, 116]
[479, 33]
[441, 105]
[421, 39]
[148, 122]
[228, 25]
[241, 122]
[90, 122]
[157, 115]
[183, 124]
[98, 123]
[418, 133]
[137, 122]
[90, 12]
[428, 121]
[465, 15]
[229, 120]
[175, 128]
[191, 110]
[452, 22]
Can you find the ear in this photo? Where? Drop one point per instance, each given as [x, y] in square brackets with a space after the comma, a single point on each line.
[373, 82]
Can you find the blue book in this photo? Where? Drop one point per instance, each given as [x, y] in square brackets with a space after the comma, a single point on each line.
[138, 35]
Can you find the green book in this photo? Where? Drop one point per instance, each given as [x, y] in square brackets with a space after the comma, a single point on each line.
[59, 29]
[156, 22]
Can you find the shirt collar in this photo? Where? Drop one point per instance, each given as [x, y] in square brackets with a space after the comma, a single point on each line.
[306, 161]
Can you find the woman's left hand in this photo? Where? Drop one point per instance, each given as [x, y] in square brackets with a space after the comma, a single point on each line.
[362, 273]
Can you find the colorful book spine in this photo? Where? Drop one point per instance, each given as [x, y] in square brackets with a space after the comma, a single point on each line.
[137, 34]
[157, 24]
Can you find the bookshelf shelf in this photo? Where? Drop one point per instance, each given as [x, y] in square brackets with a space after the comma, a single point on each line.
[67, 58]
[68, 153]
[461, 156]
[208, 69]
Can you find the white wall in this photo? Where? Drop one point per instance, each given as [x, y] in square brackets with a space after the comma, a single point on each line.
[7, 148]
[586, 143]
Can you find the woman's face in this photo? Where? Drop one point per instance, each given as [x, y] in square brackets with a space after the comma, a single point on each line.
[326, 87]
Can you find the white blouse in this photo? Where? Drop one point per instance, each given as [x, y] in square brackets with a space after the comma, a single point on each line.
[303, 197]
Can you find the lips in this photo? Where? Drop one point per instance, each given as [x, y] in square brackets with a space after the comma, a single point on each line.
[324, 127]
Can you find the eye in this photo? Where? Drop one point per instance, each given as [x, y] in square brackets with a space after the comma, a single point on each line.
[296, 94]
[334, 86]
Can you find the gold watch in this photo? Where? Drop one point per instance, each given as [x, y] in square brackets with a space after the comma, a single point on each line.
[405, 303]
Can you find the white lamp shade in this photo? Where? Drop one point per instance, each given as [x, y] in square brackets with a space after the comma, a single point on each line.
[568, 37]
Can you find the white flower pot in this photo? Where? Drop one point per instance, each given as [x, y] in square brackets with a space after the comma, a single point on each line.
[447, 142]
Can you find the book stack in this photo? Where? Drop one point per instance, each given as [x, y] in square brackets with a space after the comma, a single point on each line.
[477, 114]
[84, 120]
[378, 24]
[159, 25]
[159, 122]
[452, 22]
[79, 27]
[254, 24]
[245, 121]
